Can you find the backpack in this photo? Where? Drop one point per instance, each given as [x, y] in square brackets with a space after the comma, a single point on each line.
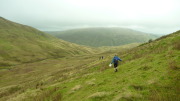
[115, 61]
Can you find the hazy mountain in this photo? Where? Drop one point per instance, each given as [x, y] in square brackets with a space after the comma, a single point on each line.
[97, 37]
[21, 43]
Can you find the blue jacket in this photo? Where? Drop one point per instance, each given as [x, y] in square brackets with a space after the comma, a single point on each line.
[115, 58]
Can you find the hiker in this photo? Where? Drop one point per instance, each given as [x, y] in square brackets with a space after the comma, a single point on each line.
[115, 61]
[102, 57]
[99, 58]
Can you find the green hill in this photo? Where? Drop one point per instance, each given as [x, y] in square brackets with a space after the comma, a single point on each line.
[149, 72]
[97, 37]
[22, 44]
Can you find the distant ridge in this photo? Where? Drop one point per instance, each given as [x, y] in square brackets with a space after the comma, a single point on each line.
[101, 36]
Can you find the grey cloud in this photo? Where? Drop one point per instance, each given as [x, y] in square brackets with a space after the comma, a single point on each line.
[67, 14]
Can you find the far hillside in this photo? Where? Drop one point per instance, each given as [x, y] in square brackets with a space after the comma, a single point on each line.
[98, 37]
[22, 44]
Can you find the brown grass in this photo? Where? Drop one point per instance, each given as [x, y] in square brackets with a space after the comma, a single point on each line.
[99, 94]
[10, 91]
[173, 65]
[145, 67]
[176, 45]
[52, 94]
[138, 87]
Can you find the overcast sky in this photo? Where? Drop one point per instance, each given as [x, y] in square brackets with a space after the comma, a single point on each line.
[151, 16]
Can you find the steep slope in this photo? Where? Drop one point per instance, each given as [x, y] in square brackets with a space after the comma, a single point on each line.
[149, 72]
[21, 43]
[97, 37]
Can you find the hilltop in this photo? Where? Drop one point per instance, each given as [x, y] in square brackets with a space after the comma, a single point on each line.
[97, 37]
[22, 44]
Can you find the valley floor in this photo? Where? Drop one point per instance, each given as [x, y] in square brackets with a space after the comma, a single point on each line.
[33, 76]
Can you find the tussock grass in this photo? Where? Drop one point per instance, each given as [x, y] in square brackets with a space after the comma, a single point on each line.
[77, 87]
[48, 94]
[99, 95]
[126, 96]
[10, 90]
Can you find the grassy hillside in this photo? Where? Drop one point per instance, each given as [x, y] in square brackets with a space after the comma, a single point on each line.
[149, 72]
[21, 43]
[97, 37]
